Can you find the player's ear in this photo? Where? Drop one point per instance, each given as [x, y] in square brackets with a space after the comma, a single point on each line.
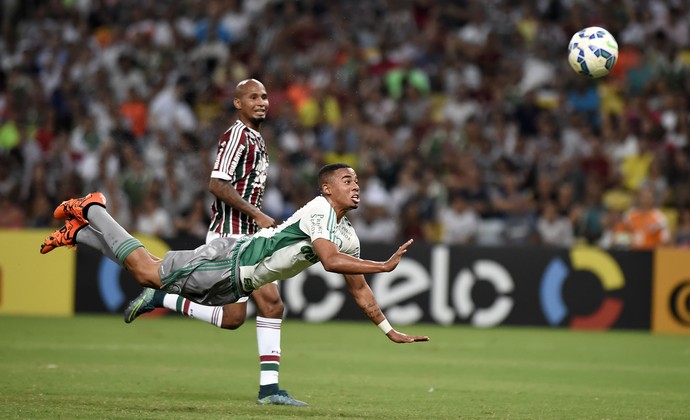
[325, 189]
[237, 103]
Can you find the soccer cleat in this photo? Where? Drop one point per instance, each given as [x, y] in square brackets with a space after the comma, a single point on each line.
[65, 236]
[140, 305]
[280, 398]
[76, 207]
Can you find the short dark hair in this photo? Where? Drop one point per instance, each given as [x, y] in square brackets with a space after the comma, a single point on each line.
[327, 170]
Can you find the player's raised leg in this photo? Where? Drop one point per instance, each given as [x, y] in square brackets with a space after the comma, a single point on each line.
[71, 211]
[127, 250]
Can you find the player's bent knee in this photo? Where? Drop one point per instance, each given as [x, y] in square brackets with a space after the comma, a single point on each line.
[268, 301]
[146, 276]
[143, 268]
[272, 308]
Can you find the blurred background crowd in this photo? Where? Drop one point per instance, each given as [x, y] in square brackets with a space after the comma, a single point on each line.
[463, 119]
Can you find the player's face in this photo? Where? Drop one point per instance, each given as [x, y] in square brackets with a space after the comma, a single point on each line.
[343, 187]
[252, 103]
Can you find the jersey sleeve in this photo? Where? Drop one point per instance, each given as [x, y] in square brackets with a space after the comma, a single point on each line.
[319, 221]
[231, 146]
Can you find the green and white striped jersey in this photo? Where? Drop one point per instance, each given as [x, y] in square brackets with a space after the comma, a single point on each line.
[282, 252]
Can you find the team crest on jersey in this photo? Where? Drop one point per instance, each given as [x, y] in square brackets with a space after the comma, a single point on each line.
[261, 170]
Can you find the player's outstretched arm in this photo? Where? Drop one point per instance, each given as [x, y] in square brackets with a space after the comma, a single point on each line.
[335, 261]
[364, 297]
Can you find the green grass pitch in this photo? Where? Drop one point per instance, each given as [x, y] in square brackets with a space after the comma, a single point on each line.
[175, 368]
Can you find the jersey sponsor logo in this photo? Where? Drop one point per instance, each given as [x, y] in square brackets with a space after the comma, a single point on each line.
[236, 158]
[316, 224]
[345, 230]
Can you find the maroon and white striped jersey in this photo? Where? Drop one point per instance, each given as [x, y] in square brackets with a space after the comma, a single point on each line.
[242, 159]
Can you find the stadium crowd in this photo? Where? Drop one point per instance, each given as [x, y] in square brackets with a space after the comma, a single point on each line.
[462, 118]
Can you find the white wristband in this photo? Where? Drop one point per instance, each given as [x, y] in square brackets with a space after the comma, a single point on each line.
[385, 326]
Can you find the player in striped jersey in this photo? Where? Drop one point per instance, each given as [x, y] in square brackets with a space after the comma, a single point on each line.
[238, 182]
[229, 268]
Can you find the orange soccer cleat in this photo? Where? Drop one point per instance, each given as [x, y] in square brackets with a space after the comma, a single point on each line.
[65, 236]
[76, 207]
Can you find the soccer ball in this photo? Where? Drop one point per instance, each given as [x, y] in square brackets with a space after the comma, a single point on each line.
[593, 51]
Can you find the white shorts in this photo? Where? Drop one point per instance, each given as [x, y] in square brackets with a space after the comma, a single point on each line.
[213, 235]
[207, 275]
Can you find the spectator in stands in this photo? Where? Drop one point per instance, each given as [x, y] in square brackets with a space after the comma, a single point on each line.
[588, 217]
[615, 234]
[40, 211]
[646, 224]
[566, 199]
[552, 228]
[169, 112]
[459, 221]
[194, 221]
[153, 219]
[134, 111]
[657, 182]
[681, 237]
[515, 207]
[410, 222]
[678, 176]
[374, 223]
[136, 178]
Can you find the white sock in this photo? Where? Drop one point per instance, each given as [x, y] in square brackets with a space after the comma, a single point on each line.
[268, 339]
[211, 314]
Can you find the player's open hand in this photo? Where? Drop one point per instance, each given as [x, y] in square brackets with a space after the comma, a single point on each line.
[398, 337]
[394, 260]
